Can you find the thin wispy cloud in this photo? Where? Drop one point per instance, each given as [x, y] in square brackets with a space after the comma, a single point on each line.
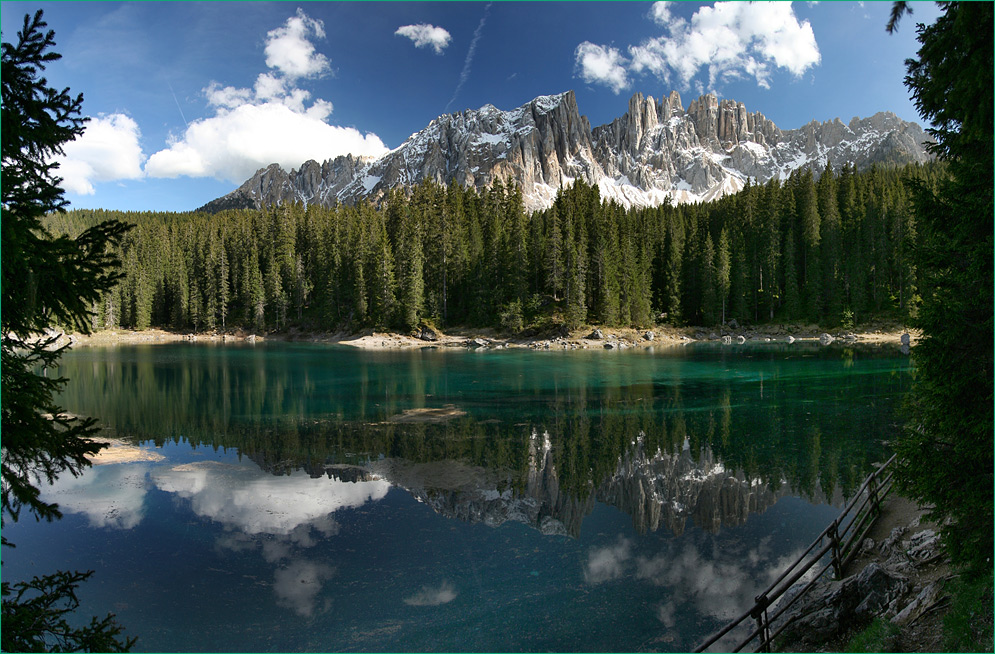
[465, 73]
[424, 35]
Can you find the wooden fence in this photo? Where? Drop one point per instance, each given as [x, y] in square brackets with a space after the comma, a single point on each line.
[840, 540]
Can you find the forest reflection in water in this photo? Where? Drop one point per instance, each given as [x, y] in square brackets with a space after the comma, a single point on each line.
[305, 497]
[708, 433]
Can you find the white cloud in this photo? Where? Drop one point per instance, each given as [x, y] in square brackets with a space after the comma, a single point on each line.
[424, 35]
[271, 123]
[660, 13]
[600, 65]
[255, 502]
[730, 40]
[289, 50]
[108, 150]
[235, 143]
[297, 585]
[607, 563]
[432, 596]
[111, 496]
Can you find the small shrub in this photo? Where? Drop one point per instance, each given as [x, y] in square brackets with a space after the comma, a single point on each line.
[511, 317]
[967, 627]
[847, 323]
[880, 636]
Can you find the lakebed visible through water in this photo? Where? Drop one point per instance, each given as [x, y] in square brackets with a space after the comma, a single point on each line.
[300, 497]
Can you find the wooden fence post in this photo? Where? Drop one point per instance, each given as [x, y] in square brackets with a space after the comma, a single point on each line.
[834, 540]
[872, 491]
[759, 613]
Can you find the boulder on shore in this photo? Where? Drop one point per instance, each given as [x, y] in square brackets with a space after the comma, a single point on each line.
[426, 333]
[831, 608]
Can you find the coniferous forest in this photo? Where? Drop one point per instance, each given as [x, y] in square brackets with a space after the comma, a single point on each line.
[827, 249]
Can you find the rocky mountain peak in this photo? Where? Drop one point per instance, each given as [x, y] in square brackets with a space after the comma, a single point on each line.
[654, 152]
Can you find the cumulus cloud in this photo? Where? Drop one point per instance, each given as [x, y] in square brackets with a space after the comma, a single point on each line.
[600, 65]
[273, 122]
[432, 596]
[424, 35]
[728, 41]
[289, 49]
[236, 143]
[108, 150]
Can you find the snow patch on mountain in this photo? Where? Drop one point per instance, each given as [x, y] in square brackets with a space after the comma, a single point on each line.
[656, 152]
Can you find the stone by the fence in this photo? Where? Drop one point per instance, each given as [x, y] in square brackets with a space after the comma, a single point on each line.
[830, 608]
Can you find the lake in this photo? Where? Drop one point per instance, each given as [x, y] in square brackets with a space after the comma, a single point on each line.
[305, 497]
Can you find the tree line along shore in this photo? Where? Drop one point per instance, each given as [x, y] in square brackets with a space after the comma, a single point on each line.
[833, 249]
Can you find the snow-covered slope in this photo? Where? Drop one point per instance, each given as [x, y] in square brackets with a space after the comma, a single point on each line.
[655, 151]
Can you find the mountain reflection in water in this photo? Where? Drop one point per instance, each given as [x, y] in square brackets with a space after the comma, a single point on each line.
[324, 498]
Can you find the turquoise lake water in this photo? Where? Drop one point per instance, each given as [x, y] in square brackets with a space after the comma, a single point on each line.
[321, 498]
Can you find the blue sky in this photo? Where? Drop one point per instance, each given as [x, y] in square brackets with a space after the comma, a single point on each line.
[189, 98]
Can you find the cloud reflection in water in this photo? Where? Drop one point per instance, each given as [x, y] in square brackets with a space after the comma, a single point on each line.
[111, 496]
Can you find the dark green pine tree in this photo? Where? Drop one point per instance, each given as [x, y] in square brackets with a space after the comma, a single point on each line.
[709, 283]
[792, 297]
[381, 282]
[769, 252]
[723, 271]
[674, 268]
[254, 292]
[224, 275]
[552, 259]
[410, 267]
[604, 267]
[740, 283]
[831, 245]
[946, 452]
[575, 260]
[810, 224]
[47, 280]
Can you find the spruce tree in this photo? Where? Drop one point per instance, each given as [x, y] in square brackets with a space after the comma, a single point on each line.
[946, 452]
[723, 271]
[47, 280]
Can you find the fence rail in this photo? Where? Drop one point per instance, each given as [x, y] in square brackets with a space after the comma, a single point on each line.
[841, 540]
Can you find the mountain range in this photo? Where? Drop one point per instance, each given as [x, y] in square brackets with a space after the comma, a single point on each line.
[656, 151]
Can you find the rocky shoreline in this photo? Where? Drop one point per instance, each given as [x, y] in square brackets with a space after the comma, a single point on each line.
[898, 576]
[584, 338]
